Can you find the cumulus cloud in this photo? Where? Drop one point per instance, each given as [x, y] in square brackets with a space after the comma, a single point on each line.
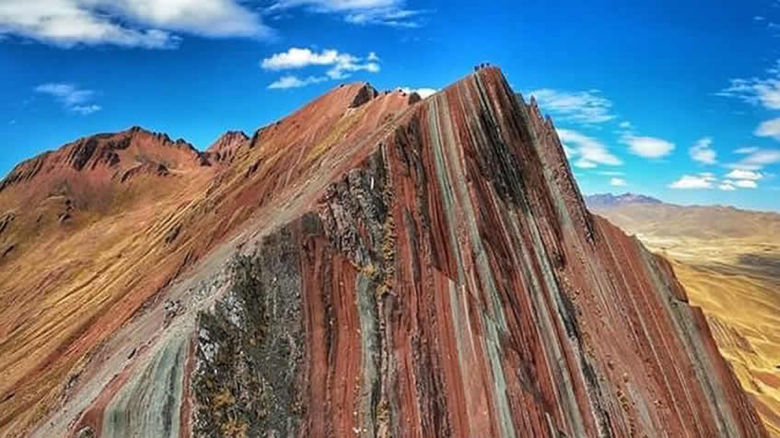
[737, 178]
[342, 65]
[590, 151]
[152, 24]
[648, 147]
[392, 13]
[744, 175]
[727, 186]
[700, 181]
[72, 98]
[703, 152]
[746, 184]
[769, 128]
[423, 92]
[757, 91]
[618, 182]
[584, 107]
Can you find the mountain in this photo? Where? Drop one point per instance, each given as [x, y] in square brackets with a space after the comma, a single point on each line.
[609, 200]
[700, 222]
[729, 262]
[374, 265]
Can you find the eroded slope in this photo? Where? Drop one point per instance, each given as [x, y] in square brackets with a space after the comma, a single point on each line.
[126, 215]
[437, 275]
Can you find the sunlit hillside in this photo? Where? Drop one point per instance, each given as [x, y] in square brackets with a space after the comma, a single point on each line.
[729, 262]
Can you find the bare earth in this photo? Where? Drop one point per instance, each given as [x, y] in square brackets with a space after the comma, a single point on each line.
[729, 262]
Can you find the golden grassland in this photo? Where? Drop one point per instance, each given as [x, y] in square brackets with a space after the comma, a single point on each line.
[729, 262]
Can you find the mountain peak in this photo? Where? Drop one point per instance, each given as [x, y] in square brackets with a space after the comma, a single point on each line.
[429, 268]
[106, 154]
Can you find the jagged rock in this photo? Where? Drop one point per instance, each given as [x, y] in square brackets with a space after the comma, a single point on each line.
[8, 251]
[6, 221]
[366, 94]
[86, 432]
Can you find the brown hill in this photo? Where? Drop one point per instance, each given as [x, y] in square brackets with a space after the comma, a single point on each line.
[371, 265]
[729, 262]
[696, 222]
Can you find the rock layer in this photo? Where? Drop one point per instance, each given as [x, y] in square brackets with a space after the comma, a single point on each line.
[430, 271]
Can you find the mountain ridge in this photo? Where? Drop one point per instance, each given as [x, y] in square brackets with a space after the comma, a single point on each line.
[409, 268]
[611, 200]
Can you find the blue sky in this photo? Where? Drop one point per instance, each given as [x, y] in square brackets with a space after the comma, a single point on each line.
[675, 99]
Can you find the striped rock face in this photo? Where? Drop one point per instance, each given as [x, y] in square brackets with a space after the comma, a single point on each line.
[431, 270]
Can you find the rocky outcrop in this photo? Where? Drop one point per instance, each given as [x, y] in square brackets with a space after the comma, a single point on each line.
[5, 222]
[366, 93]
[23, 172]
[224, 149]
[426, 271]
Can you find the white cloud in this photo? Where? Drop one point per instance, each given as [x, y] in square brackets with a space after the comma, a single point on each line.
[611, 173]
[86, 110]
[702, 151]
[756, 158]
[584, 107]
[582, 163]
[769, 128]
[362, 12]
[756, 91]
[130, 23]
[626, 125]
[687, 182]
[292, 81]
[737, 178]
[744, 175]
[746, 184]
[746, 150]
[423, 92]
[617, 182]
[591, 151]
[648, 147]
[342, 65]
[726, 187]
[72, 98]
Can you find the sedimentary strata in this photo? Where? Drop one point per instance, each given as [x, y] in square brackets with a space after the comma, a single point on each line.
[409, 268]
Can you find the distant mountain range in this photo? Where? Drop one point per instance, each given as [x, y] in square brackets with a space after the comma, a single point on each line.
[602, 200]
[648, 216]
